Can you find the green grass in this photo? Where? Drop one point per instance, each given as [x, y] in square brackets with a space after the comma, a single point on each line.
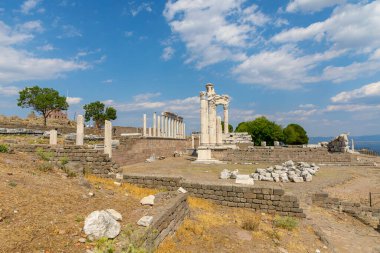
[4, 148]
[286, 222]
[45, 167]
[43, 155]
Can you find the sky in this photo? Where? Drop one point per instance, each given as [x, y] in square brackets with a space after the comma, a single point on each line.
[311, 62]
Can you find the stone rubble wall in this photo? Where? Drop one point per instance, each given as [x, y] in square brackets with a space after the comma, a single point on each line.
[339, 144]
[167, 222]
[136, 150]
[235, 138]
[280, 154]
[368, 215]
[93, 161]
[269, 200]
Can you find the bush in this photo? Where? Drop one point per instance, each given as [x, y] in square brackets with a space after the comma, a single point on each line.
[4, 148]
[288, 223]
[104, 245]
[64, 160]
[294, 134]
[251, 223]
[45, 156]
[45, 167]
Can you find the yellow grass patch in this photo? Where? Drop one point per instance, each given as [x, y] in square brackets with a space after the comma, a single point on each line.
[197, 203]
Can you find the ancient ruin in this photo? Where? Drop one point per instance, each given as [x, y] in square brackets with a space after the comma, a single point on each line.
[168, 125]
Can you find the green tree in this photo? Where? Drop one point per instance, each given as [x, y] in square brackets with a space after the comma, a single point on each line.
[42, 100]
[262, 129]
[294, 134]
[97, 112]
[230, 127]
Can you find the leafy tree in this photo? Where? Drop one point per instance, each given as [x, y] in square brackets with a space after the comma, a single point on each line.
[42, 100]
[99, 113]
[262, 129]
[230, 127]
[294, 134]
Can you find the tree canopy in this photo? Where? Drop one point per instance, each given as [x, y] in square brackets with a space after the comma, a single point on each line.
[262, 129]
[294, 134]
[97, 112]
[230, 127]
[42, 100]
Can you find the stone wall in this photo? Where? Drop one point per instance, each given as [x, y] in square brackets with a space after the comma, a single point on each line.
[270, 200]
[93, 161]
[169, 219]
[281, 154]
[369, 216]
[135, 150]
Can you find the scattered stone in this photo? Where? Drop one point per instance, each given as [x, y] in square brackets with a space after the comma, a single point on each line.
[115, 214]
[234, 174]
[82, 240]
[91, 194]
[225, 174]
[145, 221]
[148, 200]
[101, 224]
[119, 176]
[282, 250]
[181, 190]
[151, 159]
[244, 179]
[117, 183]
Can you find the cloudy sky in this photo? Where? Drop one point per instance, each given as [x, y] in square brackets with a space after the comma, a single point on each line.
[312, 62]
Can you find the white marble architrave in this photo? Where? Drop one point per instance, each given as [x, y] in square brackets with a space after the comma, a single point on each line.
[108, 138]
[53, 137]
[80, 130]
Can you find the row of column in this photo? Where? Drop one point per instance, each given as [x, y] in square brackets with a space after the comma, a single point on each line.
[211, 125]
[164, 126]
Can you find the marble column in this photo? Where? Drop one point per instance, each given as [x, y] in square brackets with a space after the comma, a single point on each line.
[226, 130]
[219, 140]
[144, 125]
[166, 126]
[108, 138]
[212, 122]
[80, 130]
[53, 137]
[177, 136]
[204, 119]
[192, 141]
[352, 145]
[154, 134]
[158, 126]
[184, 131]
[150, 132]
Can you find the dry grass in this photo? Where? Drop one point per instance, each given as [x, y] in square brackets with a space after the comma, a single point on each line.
[109, 184]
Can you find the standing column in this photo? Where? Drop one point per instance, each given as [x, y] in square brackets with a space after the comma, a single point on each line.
[204, 138]
[184, 130]
[177, 129]
[108, 138]
[166, 126]
[169, 127]
[192, 141]
[80, 130]
[144, 125]
[149, 131]
[154, 125]
[352, 145]
[158, 126]
[226, 130]
[53, 137]
[219, 131]
[212, 122]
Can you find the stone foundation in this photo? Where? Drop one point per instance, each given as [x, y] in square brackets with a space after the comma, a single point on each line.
[269, 200]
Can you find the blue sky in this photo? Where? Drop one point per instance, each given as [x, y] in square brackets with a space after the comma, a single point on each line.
[311, 62]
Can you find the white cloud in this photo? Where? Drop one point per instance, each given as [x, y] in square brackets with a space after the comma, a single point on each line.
[311, 5]
[136, 10]
[146, 96]
[307, 106]
[128, 33]
[9, 90]
[73, 100]
[284, 68]
[168, 53]
[349, 27]
[352, 107]
[10, 37]
[31, 26]
[69, 31]
[213, 30]
[29, 5]
[369, 90]
[108, 81]
[46, 47]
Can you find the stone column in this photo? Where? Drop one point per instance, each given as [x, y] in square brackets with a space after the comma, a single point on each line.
[53, 137]
[80, 130]
[352, 145]
[226, 130]
[204, 119]
[158, 126]
[212, 122]
[192, 141]
[154, 134]
[219, 133]
[184, 130]
[166, 126]
[177, 136]
[150, 132]
[108, 138]
[144, 125]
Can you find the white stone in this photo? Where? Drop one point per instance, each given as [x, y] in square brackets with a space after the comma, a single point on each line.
[148, 200]
[297, 179]
[115, 214]
[80, 131]
[288, 163]
[181, 190]
[145, 221]
[108, 138]
[101, 224]
[234, 174]
[308, 178]
[244, 179]
[225, 174]
[119, 175]
[255, 176]
[53, 137]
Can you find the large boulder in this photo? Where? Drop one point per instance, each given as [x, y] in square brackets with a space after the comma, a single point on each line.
[101, 224]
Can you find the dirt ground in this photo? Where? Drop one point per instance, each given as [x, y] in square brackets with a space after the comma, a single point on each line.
[44, 211]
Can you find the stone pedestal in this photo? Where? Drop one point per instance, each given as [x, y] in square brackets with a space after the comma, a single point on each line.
[108, 138]
[53, 137]
[80, 130]
[204, 156]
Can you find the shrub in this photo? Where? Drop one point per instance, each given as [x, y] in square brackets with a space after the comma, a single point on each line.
[45, 156]
[103, 245]
[295, 135]
[251, 223]
[45, 167]
[4, 148]
[288, 223]
[64, 160]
